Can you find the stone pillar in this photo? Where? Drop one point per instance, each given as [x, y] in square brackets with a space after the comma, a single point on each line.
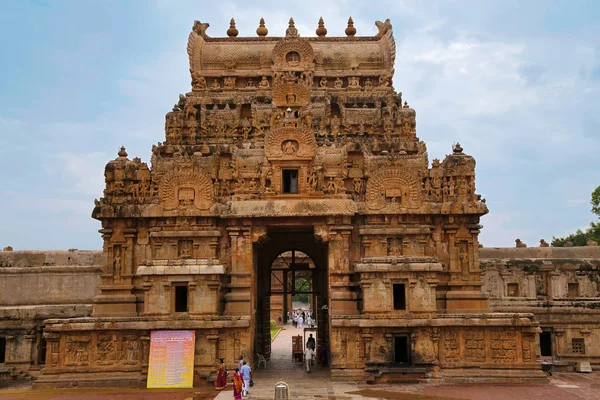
[239, 300]
[465, 284]
[343, 301]
[116, 298]
[531, 288]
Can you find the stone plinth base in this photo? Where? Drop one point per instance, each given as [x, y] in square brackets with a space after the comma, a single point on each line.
[468, 347]
[91, 380]
[114, 352]
[487, 374]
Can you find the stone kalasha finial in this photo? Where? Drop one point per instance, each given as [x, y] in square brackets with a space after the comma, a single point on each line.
[232, 31]
[350, 30]
[291, 31]
[262, 30]
[457, 149]
[122, 152]
[321, 30]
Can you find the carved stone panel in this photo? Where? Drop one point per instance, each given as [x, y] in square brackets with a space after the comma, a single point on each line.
[187, 190]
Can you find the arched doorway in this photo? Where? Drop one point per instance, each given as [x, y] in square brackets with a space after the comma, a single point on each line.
[290, 261]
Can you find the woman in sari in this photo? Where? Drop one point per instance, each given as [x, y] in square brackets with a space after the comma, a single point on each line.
[237, 385]
[221, 377]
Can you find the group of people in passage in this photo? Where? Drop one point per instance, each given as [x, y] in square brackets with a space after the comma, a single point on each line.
[241, 378]
[312, 353]
[299, 318]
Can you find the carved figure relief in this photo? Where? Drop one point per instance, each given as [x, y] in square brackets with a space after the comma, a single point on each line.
[286, 142]
[185, 248]
[394, 247]
[292, 58]
[77, 351]
[393, 186]
[289, 147]
[105, 350]
[186, 189]
[117, 261]
[451, 345]
[475, 345]
[504, 346]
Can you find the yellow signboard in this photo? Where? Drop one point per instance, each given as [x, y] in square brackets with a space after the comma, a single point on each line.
[171, 359]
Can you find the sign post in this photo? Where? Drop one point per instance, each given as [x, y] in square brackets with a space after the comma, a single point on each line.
[171, 359]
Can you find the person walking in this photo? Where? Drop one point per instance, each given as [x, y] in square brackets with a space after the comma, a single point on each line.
[311, 342]
[246, 377]
[300, 321]
[238, 383]
[309, 354]
[221, 382]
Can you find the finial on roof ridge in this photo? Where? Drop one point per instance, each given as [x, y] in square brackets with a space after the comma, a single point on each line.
[262, 30]
[122, 152]
[291, 31]
[232, 31]
[350, 30]
[321, 30]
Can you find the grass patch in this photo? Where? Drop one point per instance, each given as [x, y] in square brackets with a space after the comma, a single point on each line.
[274, 332]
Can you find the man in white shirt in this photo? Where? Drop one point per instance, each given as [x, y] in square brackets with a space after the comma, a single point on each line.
[246, 377]
[309, 354]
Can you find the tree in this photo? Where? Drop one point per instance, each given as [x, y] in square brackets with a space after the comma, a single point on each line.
[580, 238]
[302, 285]
[596, 201]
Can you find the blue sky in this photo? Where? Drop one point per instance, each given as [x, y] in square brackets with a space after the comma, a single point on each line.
[517, 83]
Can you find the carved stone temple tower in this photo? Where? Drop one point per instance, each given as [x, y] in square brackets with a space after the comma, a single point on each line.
[296, 147]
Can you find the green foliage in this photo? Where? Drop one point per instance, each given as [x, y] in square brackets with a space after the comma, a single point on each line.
[301, 284]
[273, 324]
[580, 238]
[596, 201]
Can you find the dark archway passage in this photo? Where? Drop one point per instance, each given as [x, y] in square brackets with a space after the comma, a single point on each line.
[301, 251]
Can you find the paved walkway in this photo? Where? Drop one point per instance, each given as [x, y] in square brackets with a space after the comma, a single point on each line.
[281, 367]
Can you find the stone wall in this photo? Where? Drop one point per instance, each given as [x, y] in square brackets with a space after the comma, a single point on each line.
[37, 285]
[560, 286]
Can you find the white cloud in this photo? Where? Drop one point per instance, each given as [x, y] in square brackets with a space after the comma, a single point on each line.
[85, 171]
[576, 202]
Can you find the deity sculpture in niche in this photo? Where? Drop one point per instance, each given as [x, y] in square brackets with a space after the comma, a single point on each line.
[289, 147]
[354, 82]
[117, 261]
[264, 83]
[185, 248]
[395, 247]
[290, 98]
[186, 196]
[292, 58]
[229, 82]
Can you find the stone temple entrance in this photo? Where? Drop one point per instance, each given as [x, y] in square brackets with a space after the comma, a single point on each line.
[287, 254]
[293, 144]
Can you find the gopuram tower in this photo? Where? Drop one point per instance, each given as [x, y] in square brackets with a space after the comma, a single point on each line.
[295, 147]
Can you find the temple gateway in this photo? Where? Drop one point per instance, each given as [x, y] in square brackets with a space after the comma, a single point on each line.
[293, 148]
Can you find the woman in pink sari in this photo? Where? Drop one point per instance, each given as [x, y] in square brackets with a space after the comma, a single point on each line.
[237, 385]
[221, 377]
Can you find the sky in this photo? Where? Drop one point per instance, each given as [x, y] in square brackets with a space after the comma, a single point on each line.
[516, 82]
